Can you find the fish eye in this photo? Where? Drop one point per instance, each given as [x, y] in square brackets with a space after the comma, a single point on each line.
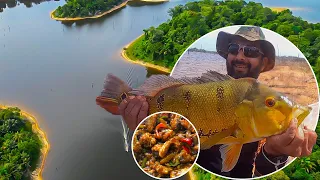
[270, 102]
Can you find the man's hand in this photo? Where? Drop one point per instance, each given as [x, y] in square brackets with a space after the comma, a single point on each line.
[133, 110]
[295, 142]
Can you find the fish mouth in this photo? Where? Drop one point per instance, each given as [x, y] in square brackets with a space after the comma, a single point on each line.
[301, 112]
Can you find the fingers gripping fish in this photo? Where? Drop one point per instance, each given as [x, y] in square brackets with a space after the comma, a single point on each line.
[224, 110]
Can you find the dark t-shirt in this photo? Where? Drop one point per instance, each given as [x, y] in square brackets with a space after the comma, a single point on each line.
[210, 159]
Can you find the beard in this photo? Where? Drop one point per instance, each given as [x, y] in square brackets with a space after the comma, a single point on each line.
[239, 69]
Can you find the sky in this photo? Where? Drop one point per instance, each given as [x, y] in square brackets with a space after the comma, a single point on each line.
[282, 46]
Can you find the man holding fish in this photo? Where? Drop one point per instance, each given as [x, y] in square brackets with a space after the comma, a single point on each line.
[236, 111]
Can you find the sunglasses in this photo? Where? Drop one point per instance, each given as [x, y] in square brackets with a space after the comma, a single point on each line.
[248, 51]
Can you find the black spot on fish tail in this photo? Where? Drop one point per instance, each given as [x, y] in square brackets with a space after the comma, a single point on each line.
[123, 96]
[160, 102]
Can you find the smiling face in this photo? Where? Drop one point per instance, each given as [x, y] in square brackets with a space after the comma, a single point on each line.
[239, 65]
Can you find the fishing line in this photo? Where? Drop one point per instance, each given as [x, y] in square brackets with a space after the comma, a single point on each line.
[125, 130]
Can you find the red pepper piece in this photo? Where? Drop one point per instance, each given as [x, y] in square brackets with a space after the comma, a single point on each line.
[187, 140]
[186, 149]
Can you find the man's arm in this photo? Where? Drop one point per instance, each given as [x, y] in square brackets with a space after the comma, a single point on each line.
[295, 142]
[266, 163]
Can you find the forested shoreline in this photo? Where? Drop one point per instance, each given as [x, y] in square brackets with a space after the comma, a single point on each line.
[85, 8]
[20, 147]
[163, 45]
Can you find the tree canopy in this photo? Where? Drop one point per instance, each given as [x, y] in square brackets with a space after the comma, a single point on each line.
[164, 44]
[85, 8]
[19, 146]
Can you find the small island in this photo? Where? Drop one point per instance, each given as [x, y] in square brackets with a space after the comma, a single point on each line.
[23, 146]
[75, 10]
[127, 54]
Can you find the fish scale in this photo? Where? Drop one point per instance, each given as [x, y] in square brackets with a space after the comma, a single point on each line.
[203, 105]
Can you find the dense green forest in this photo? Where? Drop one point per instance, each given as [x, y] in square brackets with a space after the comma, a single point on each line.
[164, 44]
[85, 8]
[19, 146]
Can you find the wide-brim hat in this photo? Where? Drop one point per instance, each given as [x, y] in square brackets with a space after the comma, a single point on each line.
[249, 33]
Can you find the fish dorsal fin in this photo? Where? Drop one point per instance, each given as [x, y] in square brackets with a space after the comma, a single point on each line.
[213, 76]
[209, 76]
[156, 83]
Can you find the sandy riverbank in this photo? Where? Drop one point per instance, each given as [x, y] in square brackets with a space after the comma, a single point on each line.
[37, 173]
[150, 65]
[278, 9]
[91, 17]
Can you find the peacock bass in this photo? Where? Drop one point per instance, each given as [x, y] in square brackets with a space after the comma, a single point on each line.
[224, 110]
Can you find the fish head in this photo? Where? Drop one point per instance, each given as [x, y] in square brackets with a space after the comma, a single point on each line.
[273, 111]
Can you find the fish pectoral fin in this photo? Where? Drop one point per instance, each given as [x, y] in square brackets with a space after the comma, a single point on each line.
[244, 109]
[229, 140]
[230, 154]
[214, 139]
[245, 117]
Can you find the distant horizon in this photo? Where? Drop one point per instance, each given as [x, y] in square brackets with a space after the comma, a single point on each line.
[191, 48]
[283, 47]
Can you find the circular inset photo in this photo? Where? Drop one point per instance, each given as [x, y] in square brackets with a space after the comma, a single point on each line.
[269, 84]
[165, 145]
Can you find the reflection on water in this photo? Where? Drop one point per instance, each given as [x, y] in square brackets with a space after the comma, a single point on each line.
[151, 71]
[14, 3]
[90, 22]
[138, 4]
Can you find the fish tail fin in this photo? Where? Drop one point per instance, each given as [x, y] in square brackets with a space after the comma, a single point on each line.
[114, 91]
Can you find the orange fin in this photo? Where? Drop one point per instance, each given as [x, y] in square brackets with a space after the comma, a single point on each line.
[230, 154]
[114, 88]
[114, 91]
[111, 105]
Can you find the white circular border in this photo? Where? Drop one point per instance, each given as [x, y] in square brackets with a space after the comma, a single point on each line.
[186, 172]
[220, 29]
